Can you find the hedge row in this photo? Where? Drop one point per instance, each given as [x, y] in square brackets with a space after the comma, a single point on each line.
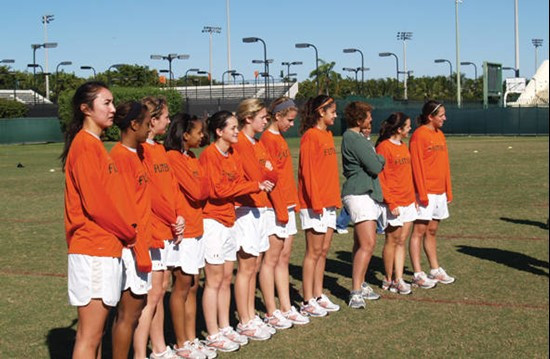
[120, 95]
[12, 109]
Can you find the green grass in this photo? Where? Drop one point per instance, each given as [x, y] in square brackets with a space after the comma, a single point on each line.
[495, 243]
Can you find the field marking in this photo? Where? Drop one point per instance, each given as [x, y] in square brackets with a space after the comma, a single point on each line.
[488, 237]
[34, 221]
[469, 302]
[30, 274]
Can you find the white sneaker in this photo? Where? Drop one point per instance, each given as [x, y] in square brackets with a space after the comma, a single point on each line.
[232, 335]
[441, 276]
[421, 280]
[368, 293]
[342, 231]
[313, 309]
[167, 354]
[253, 331]
[189, 351]
[326, 304]
[278, 320]
[401, 287]
[219, 342]
[210, 353]
[296, 317]
[266, 327]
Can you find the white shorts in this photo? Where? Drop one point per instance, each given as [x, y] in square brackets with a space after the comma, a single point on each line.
[436, 209]
[250, 230]
[406, 214]
[219, 245]
[281, 230]
[158, 256]
[138, 282]
[91, 277]
[318, 222]
[187, 255]
[363, 208]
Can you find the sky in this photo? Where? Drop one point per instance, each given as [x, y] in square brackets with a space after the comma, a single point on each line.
[100, 33]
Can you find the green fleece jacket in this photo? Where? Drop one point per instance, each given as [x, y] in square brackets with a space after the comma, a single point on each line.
[361, 166]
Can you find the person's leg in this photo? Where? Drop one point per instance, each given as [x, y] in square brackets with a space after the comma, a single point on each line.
[321, 263]
[282, 280]
[224, 295]
[141, 336]
[246, 269]
[126, 320]
[389, 251]
[400, 249]
[178, 298]
[252, 287]
[419, 231]
[430, 243]
[267, 273]
[158, 344]
[314, 248]
[91, 323]
[365, 240]
[191, 310]
[213, 282]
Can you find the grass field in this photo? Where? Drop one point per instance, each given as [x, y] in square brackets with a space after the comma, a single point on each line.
[495, 243]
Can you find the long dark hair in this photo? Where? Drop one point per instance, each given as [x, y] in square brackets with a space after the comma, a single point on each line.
[129, 111]
[430, 108]
[391, 125]
[85, 94]
[181, 123]
[310, 114]
[217, 121]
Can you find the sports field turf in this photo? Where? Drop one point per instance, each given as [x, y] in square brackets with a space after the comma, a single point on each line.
[495, 243]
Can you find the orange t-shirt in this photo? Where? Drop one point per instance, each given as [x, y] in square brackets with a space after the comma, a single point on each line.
[430, 163]
[277, 147]
[318, 181]
[226, 181]
[166, 201]
[396, 177]
[98, 213]
[194, 186]
[130, 164]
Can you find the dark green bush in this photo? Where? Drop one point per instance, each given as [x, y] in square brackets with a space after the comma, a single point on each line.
[12, 109]
[120, 94]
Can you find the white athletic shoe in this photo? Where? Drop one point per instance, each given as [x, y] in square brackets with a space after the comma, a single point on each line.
[278, 320]
[253, 331]
[441, 276]
[189, 351]
[219, 342]
[296, 317]
[326, 304]
[232, 335]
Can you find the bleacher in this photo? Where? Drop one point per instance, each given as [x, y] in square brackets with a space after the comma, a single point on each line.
[28, 97]
[237, 91]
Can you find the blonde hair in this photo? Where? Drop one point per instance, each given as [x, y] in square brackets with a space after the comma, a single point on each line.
[248, 108]
[272, 108]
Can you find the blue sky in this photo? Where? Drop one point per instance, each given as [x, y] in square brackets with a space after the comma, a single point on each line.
[100, 33]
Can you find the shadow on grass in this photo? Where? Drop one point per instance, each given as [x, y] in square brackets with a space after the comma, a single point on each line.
[60, 341]
[527, 222]
[511, 259]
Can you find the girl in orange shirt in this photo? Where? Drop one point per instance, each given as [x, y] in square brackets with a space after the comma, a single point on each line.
[187, 257]
[319, 196]
[274, 270]
[133, 120]
[167, 227]
[432, 181]
[99, 217]
[226, 181]
[400, 204]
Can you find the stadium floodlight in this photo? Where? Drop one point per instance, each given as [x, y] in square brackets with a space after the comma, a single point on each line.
[352, 50]
[470, 63]
[170, 58]
[404, 36]
[87, 67]
[536, 43]
[440, 61]
[303, 45]
[266, 64]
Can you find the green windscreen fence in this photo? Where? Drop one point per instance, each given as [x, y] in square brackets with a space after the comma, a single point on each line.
[30, 130]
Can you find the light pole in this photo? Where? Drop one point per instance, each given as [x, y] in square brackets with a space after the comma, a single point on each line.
[464, 63]
[87, 67]
[11, 61]
[223, 83]
[34, 66]
[266, 66]
[185, 79]
[440, 61]
[211, 30]
[536, 43]
[115, 66]
[352, 50]
[235, 74]
[268, 76]
[458, 89]
[170, 58]
[45, 45]
[62, 63]
[288, 64]
[386, 54]
[46, 19]
[509, 68]
[268, 61]
[516, 35]
[404, 36]
[354, 70]
[304, 45]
